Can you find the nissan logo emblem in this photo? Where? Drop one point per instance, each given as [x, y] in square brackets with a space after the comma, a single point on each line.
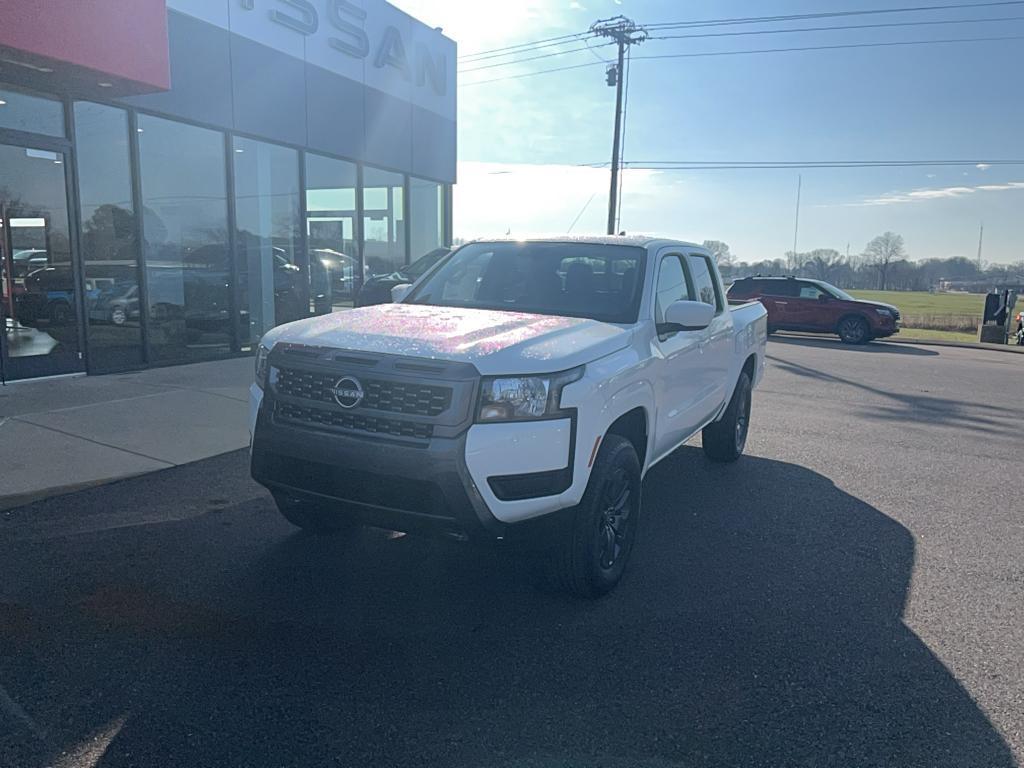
[348, 392]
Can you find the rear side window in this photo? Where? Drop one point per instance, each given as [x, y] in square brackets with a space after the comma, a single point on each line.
[741, 289]
[779, 288]
[703, 283]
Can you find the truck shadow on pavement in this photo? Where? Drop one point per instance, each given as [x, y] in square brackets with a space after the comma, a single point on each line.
[917, 407]
[760, 625]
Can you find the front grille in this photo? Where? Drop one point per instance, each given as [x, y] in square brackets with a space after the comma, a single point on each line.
[391, 396]
[353, 421]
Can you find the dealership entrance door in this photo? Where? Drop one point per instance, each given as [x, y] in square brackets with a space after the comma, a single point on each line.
[39, 296]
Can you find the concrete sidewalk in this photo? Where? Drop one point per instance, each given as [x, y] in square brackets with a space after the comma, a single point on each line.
[59, 435]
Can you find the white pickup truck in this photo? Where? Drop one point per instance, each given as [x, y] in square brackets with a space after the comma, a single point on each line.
[520, 389]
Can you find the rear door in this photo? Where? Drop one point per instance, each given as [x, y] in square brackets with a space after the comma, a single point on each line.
[776, 295]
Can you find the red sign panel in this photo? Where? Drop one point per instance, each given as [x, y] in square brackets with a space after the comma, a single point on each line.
[123, 42]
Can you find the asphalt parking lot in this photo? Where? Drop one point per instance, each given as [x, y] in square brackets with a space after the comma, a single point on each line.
[850, 593]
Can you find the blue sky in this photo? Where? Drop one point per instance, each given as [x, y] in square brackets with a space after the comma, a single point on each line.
[520, 140]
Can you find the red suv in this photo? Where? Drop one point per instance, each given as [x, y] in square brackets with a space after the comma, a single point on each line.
[797, 304]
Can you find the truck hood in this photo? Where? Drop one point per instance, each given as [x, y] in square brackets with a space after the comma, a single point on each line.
[495, 342]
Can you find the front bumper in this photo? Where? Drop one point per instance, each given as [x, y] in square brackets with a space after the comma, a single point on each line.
[380, 483]
[493, 481]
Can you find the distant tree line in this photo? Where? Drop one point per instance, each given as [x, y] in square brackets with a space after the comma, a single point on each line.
[882, 265]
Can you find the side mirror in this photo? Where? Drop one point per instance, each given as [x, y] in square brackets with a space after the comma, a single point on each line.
[687, 316]
[400, 291]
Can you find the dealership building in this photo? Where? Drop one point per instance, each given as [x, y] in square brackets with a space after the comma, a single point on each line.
[179, 176]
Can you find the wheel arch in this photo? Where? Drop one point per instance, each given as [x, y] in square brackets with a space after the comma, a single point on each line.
[633, 425]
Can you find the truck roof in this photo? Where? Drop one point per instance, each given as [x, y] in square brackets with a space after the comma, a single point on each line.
[642, 241]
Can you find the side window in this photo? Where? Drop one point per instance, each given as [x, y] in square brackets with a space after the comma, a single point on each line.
[703, 282]
[672, 285]
[810, 291]
[779, 288]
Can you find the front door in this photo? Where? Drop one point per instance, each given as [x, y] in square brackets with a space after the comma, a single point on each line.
[39, 301]
[677, 367]
[809, 308]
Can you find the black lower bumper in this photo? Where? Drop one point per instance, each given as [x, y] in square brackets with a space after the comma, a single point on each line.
[407, 486]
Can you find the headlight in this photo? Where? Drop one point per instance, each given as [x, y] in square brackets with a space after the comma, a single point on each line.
[883, 312]
[262, 368]
[523, 398]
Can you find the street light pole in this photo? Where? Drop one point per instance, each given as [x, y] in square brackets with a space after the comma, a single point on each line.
[625, 32]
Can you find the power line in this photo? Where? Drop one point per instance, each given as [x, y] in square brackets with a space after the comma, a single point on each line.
[527, 48]
[547, 42]
[841, 46]
[528, 44]
[835, 28]
[760, 51]
[826, 15]
[793, 166]
[533, 58]
[532, 74]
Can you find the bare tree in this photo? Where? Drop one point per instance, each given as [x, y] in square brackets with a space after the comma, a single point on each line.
[794, 262]
[882, 251]
[822, 263]
[720, 251]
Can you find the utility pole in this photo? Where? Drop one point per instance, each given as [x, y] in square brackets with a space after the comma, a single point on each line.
[796, 226]
[625, 32]
[981, 239]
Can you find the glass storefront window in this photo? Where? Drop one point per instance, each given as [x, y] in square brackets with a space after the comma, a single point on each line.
[383, 221]
[31, 114]
[426, 216]
[110, 255]
[38, 295]
[271, 275]
[184, 216]
[334, 274]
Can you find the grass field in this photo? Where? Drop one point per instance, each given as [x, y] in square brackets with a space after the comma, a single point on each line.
[923, 303]
[927, 334]
[939, 316]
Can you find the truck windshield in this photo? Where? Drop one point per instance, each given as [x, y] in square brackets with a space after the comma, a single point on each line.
[601, 282]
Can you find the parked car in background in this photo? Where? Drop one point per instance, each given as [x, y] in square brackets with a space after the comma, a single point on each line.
[29, 260]
[49, 295]
[814, 306]
[377, 290]
[115, 303]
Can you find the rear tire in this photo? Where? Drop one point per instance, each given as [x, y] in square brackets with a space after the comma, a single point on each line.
[725, 439]
[854, 330]
[312, 517]
[592, 558]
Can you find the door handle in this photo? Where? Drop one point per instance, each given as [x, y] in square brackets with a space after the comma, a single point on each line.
[781, 303]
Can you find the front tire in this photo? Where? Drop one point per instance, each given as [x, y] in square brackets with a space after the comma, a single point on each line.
[591, 560]
[725, 439]
[854, 330]
[312, 517]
